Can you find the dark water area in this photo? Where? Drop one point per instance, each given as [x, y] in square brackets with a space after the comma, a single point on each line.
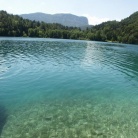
[3, 117]
[54, 88]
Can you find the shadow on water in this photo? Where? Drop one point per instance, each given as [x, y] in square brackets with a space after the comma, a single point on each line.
[3, 117]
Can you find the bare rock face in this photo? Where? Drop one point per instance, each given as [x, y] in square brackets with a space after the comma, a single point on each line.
[64, 19]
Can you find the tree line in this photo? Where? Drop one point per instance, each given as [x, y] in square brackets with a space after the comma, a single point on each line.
[125, 31]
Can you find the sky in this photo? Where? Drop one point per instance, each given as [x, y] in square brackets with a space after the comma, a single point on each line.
[97, 11]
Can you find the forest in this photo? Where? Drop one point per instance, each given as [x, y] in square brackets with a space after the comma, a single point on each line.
[125, 31]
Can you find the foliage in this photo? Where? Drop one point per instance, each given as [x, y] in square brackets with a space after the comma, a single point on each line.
[13, 25]
[125, 31]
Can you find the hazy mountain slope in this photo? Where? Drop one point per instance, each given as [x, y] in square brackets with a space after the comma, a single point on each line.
[64, 19]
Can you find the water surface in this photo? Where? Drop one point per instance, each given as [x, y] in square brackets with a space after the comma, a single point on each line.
[65, 88]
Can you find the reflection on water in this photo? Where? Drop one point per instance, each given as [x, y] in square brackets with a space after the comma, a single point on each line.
[66, 88]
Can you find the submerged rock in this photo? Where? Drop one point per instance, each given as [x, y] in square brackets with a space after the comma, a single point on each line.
[48, 118]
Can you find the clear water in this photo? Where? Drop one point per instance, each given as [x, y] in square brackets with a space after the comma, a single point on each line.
[52, 88]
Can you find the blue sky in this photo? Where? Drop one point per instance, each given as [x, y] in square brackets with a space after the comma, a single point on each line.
[96, 11]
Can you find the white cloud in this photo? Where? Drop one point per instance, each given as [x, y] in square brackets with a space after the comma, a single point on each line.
[93, 20]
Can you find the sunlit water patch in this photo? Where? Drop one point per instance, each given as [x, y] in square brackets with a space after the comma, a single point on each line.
[52, 88]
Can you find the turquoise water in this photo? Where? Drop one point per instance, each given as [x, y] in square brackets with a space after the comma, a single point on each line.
[52, 88]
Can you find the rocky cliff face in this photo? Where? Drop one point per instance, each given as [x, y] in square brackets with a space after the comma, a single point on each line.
[64, 19]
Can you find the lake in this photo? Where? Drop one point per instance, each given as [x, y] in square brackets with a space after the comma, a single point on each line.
[54, 88]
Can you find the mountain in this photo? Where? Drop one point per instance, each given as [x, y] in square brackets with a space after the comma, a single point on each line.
[14, 25]
[125, 31]
[64, 19]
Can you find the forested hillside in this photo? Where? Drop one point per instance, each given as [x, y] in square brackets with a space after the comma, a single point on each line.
[125, 31]
[13, 25]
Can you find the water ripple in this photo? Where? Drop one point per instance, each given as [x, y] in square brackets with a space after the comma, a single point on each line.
[47, 65]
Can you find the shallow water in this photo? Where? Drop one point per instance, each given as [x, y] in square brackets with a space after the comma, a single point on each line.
[52, 88]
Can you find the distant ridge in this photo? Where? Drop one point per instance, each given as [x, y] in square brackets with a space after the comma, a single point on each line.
[62, 18]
